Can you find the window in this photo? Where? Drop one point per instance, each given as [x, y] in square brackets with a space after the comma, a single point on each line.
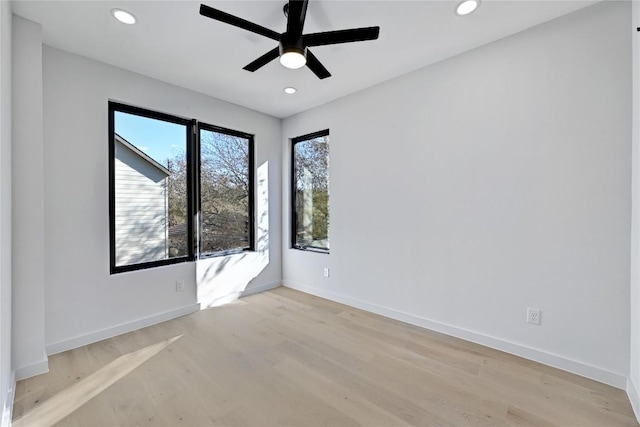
[310, 192]
[149, 199]
[161, 176]
[226, 190]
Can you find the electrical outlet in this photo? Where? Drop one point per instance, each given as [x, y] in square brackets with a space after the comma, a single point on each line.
[179, 285]
[326, 272]
[533, 316]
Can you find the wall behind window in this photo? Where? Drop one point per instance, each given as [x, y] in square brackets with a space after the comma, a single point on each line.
[81, 297]
[498, 179]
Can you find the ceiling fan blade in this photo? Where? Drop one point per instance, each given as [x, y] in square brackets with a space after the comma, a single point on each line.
[221, 16]
[263, 60]
[316, 66]
[296, 16]
[341, 36]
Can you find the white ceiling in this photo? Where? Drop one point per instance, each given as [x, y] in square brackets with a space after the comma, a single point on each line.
[174, 43]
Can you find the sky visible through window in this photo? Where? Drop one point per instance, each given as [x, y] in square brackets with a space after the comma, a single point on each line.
[158, 139]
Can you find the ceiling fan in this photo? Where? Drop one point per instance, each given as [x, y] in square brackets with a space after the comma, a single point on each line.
[293, 45]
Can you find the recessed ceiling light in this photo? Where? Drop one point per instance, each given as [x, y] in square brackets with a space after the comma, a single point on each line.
[290, 90]
[467, 6]
[123, 16]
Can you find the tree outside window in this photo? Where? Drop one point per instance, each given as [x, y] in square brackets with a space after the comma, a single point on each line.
[310, 194]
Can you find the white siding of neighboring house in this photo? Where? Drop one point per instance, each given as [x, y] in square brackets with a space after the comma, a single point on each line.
[141, 208]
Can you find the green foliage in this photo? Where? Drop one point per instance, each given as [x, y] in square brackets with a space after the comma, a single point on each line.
[177, 195]
[224, 195]
[224, 188]
[312, 192]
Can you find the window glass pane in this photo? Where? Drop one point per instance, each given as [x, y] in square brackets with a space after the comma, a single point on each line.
[225, 179]
[311, 192]
[150, 189]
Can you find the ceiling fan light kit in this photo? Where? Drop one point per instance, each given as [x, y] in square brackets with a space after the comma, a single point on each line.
[293, 53]
[293, 44]
[293, 58]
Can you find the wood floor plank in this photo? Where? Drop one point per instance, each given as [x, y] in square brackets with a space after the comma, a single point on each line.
[284, 358]
[339, 397]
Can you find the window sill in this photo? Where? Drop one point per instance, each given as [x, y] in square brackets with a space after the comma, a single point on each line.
[147, 265]
[210, 255]
[310, 249]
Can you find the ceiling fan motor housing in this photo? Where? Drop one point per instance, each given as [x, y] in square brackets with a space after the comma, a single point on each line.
[289, 43]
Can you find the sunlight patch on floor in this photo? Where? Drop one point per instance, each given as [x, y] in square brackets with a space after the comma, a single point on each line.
[67, 401]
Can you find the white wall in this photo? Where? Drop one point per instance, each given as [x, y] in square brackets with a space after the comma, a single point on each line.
[467, 191]
[28, 201]
[6, 371]
[633, 386]
[84, 302]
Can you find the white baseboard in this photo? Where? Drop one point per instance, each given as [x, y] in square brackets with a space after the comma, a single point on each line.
[32, 370]
[123, 328]
[634, 398]
[7, 407]
[250, 290]
[583, 369]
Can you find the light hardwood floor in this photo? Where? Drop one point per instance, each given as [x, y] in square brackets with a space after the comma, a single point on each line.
[290, 359]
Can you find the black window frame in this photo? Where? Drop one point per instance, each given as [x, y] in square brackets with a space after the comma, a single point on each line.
[250, 138]
[193, 187]
[294, 214]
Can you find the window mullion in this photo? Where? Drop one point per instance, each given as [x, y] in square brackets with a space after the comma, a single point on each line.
[194, 190]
